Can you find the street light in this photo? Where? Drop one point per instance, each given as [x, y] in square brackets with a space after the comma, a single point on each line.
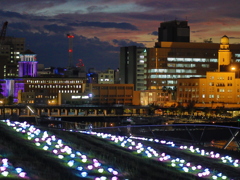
[235, 70]
[3, 110]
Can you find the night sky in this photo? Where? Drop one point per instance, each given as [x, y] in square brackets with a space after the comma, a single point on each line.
[101, 27]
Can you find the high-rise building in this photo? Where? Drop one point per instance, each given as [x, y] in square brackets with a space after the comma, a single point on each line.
[174, 31]
[132, 61]
[217, 89]
[161, 66]
[10, 51]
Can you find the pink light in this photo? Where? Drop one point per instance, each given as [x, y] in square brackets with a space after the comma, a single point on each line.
[2, 168]
[22, 174]
[115, 173]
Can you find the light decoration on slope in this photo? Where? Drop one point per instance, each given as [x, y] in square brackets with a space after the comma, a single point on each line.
[176, 162]
[7, 170]
[87, 166]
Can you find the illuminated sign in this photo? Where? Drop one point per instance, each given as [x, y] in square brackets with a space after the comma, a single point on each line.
[76, 97]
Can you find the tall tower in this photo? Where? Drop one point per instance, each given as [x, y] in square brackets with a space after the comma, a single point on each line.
[174, 31]
[70, 50]
[224, 53]
[28, 64]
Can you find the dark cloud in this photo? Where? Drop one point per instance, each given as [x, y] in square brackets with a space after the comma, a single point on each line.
[155, 33]
[102, 26]
[58, 29]
[96, 8]
[8, 14]
[126, 26]
[234, 37]
[21, 26]
[127, 42]
[52, 50]
[195, 31]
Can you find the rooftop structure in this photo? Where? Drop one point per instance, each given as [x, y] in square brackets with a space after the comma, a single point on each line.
[174, 31]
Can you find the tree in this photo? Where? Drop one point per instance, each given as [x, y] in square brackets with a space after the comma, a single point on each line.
[9, 100]
[207, 111]
[152, 108]
[220, 111]
[191, 108]
[174, 93]
[180, 109]
[1, 91]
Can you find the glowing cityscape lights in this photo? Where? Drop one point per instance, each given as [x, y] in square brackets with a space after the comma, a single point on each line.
[133, 144]
[7, 170]
[58, 148]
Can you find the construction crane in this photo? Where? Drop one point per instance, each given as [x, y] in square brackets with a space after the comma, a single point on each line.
[3, 32]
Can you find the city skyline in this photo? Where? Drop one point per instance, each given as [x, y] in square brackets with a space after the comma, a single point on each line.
[102, 27]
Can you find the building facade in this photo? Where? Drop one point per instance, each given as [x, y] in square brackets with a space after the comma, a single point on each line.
[27, 64]
[132, 66]
[114, 94]
[172, 57]
[174, 31]
[106, 77]
[10, 51]
[218, 89]
[40, 90]
[162, 98]
[164, 64]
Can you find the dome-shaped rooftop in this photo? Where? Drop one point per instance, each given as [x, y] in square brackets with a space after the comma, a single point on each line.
[224, 40]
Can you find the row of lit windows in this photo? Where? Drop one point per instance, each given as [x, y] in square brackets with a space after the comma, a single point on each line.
[187, 65]
[170, 76]
[188, 84]
[191, 59]
[172, 70]
[211, 96]
[112, 87]
[221, 78]
[211, 90]
[53, 81]
[166, 82]
[68, 91]
[111, 80]
[189, 95]
[189, 89]
[54, 86]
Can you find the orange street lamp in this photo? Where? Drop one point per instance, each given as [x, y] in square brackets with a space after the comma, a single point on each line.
[236, 71]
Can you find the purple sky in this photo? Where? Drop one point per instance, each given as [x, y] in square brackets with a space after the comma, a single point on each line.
[101, 27]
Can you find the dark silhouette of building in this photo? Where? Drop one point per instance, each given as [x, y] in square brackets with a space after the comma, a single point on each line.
[174, 31]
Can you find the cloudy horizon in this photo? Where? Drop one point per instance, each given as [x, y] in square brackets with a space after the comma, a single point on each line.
[101, 27]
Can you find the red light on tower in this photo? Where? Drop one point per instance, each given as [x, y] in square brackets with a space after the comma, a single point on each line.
[70, 50]
[70, 36]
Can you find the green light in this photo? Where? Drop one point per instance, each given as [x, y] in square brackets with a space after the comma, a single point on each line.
[238, 120]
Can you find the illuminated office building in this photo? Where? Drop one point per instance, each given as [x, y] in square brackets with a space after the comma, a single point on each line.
[106, 77]
[218, 89]
[164, 64]
[28, 64]
[171, 58]
[41, 90]
[132, 66]
[10, 51]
